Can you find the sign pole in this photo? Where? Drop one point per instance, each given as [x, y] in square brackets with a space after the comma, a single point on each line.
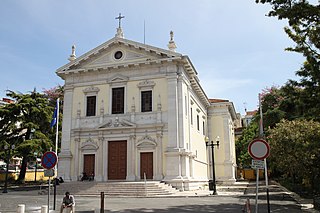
[49, 195]
[267, 184]
[257, 189]
[265, 160]
[259, 150]
[48, 161]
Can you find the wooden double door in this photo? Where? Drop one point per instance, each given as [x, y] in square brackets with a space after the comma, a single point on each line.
[117, 160]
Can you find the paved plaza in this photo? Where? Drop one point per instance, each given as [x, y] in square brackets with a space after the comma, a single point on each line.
[229, 199]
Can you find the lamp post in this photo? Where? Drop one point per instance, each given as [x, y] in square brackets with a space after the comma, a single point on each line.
[7, 150]
[35, 169]
[212, 183]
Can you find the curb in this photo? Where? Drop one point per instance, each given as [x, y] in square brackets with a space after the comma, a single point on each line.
[304, 203]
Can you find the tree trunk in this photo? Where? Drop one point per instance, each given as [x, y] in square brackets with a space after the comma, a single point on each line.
[23, 170]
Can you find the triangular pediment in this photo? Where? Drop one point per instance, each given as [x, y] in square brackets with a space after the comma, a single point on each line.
[116, 52]
[116, 123]
[118, 79]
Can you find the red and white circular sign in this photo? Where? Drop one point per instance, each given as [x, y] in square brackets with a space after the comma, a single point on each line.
[259, 149]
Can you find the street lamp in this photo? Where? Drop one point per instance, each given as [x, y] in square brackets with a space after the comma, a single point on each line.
[7, 151]
[35, 169]
[212, 183]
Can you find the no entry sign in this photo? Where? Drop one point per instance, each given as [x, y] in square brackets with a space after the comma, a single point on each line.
[259, 149]
[49, 160]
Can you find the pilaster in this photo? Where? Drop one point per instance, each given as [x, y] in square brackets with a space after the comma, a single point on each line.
[159, 166]
[172, 112]
[65, 156]
[131, 158]
[76, 156]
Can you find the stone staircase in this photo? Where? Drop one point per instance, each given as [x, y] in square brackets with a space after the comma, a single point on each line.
[117, 189]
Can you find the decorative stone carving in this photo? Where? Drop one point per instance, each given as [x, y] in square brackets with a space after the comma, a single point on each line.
[90, 144]
[79, 110]
[91, 90]
[172, 45]
[159, 106]
[102, 107]
[146, 145]
[117, 123]
[147, 138]
[133, 106]
[146, 142]
[73, 53]
[117, 79]
[146, 83]
[132, 137]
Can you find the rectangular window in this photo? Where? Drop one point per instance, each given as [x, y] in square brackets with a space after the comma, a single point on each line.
[91, 106]
[203, 128]
[198, 125]
[146, 101]
[118, 100]
[186, 107]
[191, 116]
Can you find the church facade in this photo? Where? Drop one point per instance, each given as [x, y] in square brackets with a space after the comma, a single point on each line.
[136, 112]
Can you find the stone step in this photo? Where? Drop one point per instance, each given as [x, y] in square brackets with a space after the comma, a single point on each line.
[119, 189]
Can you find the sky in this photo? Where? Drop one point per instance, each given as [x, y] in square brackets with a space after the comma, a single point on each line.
[236, 49]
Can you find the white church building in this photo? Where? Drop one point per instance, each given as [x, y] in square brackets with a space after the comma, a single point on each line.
[133, 111]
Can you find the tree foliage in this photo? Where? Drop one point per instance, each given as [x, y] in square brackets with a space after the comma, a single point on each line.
[54, 93]
[295, 151]
[291, 112]
[249, 134]
[304, 30]
[26, 124]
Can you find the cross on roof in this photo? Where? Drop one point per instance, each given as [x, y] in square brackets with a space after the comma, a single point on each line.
[120, 17]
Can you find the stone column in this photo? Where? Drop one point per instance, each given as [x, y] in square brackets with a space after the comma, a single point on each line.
[227, 142]
[65, 155]
[104, 160]
[131, 158]
[159, 159]
[76, 156]
[99, 156]
[173, 111]
[172, 153]
[179, 112]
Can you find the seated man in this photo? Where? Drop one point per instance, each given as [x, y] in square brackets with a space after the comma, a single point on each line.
[68, 202]
[84, 176]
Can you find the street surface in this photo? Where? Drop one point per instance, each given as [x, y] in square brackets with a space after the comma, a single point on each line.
[230, 200]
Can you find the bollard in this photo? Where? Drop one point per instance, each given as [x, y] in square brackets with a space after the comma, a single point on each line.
[102, 202]
[44, 209]
[21, 208]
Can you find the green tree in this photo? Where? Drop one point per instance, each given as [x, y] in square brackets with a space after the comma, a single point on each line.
[26, 123]
[304, 30]
[295, 151]
[54, 93]
[249, 134]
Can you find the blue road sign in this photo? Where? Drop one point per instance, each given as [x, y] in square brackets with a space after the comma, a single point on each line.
[49, 160]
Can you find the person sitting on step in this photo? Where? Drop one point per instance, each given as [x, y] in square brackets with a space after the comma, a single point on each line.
[68, 203]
